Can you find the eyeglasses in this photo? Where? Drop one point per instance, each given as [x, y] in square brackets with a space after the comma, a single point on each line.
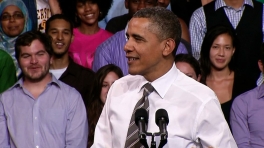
[16, 16]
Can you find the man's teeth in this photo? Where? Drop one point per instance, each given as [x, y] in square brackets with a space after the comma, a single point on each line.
[132, 59]
[59, 43]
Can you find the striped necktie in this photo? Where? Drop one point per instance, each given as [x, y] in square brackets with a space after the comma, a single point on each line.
[132, 140]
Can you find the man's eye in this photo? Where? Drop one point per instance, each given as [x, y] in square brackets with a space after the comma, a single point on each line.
[135, 1]
[138, 40]
[25, 56]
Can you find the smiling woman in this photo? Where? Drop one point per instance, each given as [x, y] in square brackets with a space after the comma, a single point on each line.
[87, 34]
[14, 21]
[218, 52]
[105, 77]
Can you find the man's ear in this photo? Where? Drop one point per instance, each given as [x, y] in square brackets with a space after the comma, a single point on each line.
[260, 65]
[169, 47]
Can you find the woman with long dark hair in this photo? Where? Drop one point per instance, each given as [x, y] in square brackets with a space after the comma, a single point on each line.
[217, 59]
[105, 77]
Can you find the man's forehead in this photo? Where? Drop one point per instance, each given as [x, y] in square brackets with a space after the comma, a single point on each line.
[60, 24]
[138, 22]
[143, 0]
[35, 43]
[63, 28]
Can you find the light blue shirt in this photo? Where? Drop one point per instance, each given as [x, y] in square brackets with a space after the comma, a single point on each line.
[56, 119]
[118, 8]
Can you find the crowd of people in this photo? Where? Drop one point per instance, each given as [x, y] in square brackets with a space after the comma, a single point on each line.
[73, 72]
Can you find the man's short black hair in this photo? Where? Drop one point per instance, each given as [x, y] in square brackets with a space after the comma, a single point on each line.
[163, 22]
[58, 16]
[27, 38]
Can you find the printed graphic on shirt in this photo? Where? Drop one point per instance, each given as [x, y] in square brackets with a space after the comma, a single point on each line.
[44, 13]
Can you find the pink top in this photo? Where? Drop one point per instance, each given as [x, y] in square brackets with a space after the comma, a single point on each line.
[83, 47]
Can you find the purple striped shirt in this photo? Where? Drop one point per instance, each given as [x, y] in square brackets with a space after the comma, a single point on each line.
[56, 119]
[247, 120]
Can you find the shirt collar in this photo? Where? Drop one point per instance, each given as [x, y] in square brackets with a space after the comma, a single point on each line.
[221, 3]
[20, 82]
[260, 79]
[163, 83]
[169, 7]
[261, 91]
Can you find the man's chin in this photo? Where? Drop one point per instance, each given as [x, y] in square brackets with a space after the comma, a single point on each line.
[35, 78]
[133, 72]
[59, 54]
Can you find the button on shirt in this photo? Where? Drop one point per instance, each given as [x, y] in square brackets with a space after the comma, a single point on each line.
[196, 119]
[56, 119]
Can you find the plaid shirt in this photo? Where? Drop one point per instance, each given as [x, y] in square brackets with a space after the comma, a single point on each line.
[198, 23]
[198, 26]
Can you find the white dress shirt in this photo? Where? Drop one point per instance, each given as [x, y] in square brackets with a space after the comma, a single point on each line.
[195, 115]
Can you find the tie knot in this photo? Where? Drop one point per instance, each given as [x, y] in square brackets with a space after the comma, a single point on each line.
[148, 89]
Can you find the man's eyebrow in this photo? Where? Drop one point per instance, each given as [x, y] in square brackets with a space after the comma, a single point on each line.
[41, 51]
[22, 54]
[56, 29]
[53, 29]
[138, 37]
[68, 30]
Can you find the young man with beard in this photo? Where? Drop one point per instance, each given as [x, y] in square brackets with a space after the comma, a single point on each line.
[39, 110]
[60, 29]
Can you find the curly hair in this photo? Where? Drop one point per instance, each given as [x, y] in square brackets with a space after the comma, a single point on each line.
[70, 11]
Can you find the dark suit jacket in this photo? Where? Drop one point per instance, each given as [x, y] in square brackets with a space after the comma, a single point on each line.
[80, 78]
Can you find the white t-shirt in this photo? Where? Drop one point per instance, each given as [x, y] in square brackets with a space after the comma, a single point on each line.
[44, 13]
[195, 116]
[57, 72]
